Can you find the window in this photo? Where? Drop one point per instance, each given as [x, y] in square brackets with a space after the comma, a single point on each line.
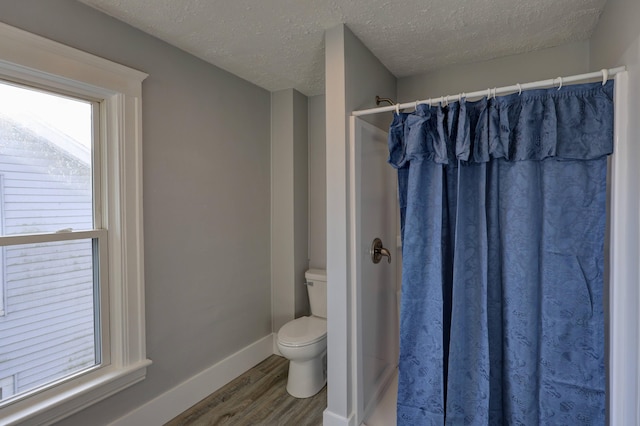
[71, 272]
[51, 327]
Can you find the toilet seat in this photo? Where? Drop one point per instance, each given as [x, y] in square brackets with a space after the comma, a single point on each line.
[303, 331]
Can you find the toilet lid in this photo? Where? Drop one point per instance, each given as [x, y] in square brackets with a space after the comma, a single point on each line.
[303, 331]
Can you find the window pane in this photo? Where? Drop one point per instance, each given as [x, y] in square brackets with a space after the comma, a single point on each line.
[48, 329]
[45, 161]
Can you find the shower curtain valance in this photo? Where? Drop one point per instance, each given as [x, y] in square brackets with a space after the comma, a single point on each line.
[534, 125]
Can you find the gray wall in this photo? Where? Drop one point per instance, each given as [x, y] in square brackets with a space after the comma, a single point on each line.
[289, 206]
[317, 183]
[301, 202]
[539, 65]
[206, 198]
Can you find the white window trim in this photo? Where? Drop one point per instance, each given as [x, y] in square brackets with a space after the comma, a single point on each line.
[30, 58]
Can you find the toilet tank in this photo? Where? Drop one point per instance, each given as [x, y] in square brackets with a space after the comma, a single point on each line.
[316, 280]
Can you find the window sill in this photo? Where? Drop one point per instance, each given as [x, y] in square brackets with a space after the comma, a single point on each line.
[67, 398]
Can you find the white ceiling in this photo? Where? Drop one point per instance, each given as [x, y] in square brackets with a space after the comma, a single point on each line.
[278, 44]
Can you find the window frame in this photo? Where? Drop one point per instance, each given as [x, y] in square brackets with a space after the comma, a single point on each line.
[33, 60]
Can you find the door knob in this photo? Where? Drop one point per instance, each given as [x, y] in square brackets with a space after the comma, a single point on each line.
[377, 251]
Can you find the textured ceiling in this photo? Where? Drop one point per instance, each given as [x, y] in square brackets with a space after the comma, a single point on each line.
[278, 44]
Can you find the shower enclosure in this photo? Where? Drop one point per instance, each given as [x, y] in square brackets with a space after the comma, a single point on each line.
[373, 319]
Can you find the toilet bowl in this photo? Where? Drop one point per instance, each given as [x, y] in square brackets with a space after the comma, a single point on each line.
[303, 341]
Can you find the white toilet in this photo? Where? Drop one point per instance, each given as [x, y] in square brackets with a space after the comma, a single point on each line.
[303, 341]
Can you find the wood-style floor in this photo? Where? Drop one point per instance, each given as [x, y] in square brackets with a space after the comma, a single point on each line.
[258, 397]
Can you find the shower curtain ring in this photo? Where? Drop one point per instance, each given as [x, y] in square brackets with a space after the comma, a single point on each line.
[560, 86]
[519, 89]
[398, 109]
[605, 76]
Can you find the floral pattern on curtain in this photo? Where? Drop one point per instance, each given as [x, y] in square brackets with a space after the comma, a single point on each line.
[503, 211]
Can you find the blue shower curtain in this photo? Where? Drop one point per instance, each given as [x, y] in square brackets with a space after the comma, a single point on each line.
[502, 207]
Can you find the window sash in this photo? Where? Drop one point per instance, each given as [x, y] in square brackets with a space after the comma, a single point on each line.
[49, 237]
[102, 343]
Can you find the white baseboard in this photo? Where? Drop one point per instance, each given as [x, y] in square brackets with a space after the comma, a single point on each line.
[177, 400]
[276, 351]
[330, 418]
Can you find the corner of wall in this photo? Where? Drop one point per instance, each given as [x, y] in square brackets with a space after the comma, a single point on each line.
[317, 183]
[301, 201]
[289, 205]
[271, 127]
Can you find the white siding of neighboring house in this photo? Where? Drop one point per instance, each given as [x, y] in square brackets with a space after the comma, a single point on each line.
[47, 329]
[2, 269]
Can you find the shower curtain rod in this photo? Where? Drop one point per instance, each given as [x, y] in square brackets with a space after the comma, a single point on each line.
[605, 74]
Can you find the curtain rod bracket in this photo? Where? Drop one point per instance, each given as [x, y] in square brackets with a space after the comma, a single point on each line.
[379, 100]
